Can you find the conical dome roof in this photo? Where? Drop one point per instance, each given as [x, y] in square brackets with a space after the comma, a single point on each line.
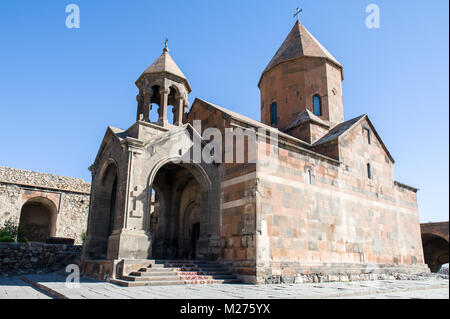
[300, 43]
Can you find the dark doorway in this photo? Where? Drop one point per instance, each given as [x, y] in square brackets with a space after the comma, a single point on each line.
[435, 250]
[102, 214]
[175, 228]
[112, 207]
[194, 239]
[38, 219]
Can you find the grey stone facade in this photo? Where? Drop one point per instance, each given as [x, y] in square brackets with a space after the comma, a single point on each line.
[64, 199]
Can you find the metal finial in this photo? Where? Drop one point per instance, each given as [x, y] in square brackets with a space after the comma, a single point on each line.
[297, 14]
[166, 48]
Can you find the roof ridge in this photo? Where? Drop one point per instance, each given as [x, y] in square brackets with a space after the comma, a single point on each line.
[301, 118]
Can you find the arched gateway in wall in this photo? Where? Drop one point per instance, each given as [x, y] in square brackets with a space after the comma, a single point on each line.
[38, 219]
[435, 241]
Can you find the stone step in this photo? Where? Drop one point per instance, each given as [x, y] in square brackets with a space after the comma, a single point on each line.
[189, 263]
[199, 261]
[178, 272]
[154, 270]
[212, 282]
[127, 283]
[193, 266]
[151, 278]
[202, 273]
[153, 273]
[210, 277]
[195, 269]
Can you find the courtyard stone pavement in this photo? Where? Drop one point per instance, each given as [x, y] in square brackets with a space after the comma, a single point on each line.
[54, 285]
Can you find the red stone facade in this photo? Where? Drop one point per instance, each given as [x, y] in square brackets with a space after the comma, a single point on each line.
[292, 86]
[323, 200]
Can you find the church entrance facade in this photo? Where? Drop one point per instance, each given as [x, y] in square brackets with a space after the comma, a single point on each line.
[176, 228]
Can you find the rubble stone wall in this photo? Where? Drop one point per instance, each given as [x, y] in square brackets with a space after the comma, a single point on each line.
[23, 258]
[68, 196]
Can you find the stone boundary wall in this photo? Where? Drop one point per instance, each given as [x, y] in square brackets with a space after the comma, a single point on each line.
[49, 181]
[68, 197]
[27, 258]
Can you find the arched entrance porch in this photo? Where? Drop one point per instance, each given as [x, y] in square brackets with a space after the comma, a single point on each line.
[102, 212]
[179, 215]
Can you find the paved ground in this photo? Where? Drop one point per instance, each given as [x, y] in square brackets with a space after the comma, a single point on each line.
[55, 285]
[14, 288]
[438, 293]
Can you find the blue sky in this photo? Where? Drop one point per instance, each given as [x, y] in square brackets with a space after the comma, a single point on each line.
[60, 88]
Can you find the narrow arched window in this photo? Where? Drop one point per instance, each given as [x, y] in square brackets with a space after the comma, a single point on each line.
[317, 105]
[367, 136]
[309, 176]
[369, 171]
[273, 113]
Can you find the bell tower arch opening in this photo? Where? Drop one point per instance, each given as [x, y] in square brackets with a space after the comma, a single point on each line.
[163, 84]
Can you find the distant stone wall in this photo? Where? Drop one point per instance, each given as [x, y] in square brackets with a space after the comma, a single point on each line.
[23, 258]
[67, 197]
[50, 181]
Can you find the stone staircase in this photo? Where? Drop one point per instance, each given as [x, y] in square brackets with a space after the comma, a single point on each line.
[178, 272]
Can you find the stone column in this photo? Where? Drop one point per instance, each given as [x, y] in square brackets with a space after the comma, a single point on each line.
[178, 112]
[132, 240]
[163, 107]
[147, 105]
[185, 110]
[140, 113]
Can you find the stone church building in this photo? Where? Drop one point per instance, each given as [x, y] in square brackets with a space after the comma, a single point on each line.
[319, 199]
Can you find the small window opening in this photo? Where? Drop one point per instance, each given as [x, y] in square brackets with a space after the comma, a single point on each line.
[273, 114]
[317, 105]
[367, 135]
[369, 171]
[309, 177]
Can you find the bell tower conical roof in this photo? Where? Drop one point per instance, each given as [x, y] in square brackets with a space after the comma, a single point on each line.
[163, 84]
[165, 64]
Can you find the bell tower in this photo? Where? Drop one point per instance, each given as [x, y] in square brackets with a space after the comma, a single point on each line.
[163, 84]
[302, 80]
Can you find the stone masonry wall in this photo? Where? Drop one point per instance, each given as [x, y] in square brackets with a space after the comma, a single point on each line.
[341, 224]
[23, 258]
[61, 183]
[69, 197]
[238, 239]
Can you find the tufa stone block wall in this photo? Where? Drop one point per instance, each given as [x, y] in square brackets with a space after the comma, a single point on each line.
[292, 86]
[237, 200]
[342, 223]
